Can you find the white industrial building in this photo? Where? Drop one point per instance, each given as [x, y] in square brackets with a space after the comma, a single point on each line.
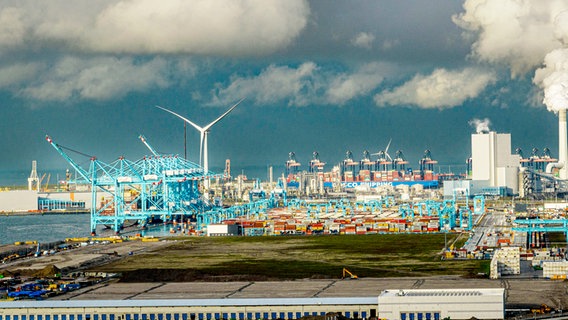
[493, 162]
[436, 304]
[26, 201]
[222, 230]
[495, 170]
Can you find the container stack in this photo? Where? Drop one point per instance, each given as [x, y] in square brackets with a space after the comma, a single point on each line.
[506, 261]
[555, 270]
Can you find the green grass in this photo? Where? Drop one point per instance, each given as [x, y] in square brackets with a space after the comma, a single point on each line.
[297, 257]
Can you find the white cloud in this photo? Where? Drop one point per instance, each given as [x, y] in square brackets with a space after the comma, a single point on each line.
[273, 84]
[17, 73]
[441, 89]
[518, 33]
[98, 79]
[363, 40]
[221, 27]
[304, 85]
[389, 44]
[12, 29]
[347, 86]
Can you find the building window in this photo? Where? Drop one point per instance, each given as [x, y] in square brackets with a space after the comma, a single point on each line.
[436, 316]
[411, 316]
[419, 315]
[428, 316]
[403, 316]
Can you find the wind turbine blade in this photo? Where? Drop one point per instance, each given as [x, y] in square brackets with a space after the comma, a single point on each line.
[223, 115]
[184, 119]
[387, 149]
[388, 145]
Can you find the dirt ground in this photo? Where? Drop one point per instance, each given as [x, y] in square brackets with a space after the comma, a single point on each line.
[181, 280]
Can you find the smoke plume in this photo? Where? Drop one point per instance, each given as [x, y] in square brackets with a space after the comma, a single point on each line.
[480, 125]
[553, 79]
[524, 35]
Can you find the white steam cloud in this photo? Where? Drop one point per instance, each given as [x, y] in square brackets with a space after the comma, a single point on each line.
[523, 34]
[480, 125]
[221, 27]
[518, 33]
[553, 79]
[441, 89]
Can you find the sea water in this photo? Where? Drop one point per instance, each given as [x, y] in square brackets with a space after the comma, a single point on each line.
[43, 227]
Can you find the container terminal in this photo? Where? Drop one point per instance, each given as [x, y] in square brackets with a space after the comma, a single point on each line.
[355, 197]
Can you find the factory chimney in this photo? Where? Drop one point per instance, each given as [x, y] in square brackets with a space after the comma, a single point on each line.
[562, 145]
[562, 163]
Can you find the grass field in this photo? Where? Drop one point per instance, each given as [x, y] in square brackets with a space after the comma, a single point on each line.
[295, 257]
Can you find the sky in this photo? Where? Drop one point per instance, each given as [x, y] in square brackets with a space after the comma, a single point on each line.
[325, 76]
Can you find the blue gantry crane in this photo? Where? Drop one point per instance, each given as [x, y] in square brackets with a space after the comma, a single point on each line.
[152, 188]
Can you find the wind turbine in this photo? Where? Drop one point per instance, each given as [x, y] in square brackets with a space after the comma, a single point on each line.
[384, 157]
[204, 131]
[385, 153]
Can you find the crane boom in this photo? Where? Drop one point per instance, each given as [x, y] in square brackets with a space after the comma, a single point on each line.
[154, 152]
[78, 168]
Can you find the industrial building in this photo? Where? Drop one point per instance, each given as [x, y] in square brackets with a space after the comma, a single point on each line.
[494, 170]
[492, 161]
[189, 309]
[436, 304]
[412, 304]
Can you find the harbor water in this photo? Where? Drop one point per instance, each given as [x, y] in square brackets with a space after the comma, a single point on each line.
[43, 227]
[56, 227]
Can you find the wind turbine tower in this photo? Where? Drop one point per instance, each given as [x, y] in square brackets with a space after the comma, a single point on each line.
[204, 131]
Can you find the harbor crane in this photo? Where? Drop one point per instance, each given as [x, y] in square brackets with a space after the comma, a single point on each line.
[143, 139]
[152, 188]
